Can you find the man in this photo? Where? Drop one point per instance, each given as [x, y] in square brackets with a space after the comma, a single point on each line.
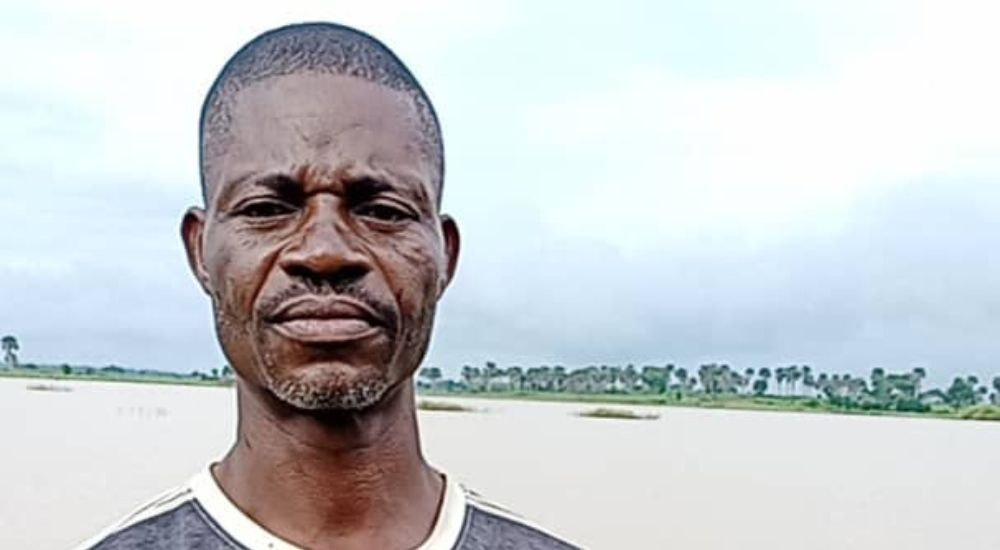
[324, 253]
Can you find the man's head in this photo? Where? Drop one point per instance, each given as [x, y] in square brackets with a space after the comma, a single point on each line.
[321, 243]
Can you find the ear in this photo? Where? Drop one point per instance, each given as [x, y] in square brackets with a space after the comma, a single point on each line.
[192, 232]
[452, 242]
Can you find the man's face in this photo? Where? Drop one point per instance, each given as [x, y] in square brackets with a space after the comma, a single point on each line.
[321, 246]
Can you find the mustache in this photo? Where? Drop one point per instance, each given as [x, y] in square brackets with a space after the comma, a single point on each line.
[385, 311]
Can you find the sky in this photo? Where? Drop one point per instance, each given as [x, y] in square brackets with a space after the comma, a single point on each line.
[759, 183]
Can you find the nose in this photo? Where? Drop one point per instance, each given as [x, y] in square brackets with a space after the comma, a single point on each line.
[321, 251]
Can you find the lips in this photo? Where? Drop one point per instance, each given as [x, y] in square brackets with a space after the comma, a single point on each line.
[334, 320]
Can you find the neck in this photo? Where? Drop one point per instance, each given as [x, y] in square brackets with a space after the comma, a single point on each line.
[332, 479]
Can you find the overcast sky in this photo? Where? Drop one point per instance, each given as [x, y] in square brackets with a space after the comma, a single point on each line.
[761, 183]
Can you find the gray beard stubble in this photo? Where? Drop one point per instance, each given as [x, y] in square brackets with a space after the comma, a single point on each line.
[315, 395]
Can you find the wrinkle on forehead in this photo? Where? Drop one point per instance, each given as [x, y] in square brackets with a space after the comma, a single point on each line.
[307, 118]
[324, 120]
[320, 137]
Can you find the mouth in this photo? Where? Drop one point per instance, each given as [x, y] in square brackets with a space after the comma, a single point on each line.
[335, 320]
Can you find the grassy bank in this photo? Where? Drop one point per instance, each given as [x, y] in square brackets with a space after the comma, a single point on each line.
[732, 402]
[616, 414]
[56, 373]
[737, 403]
[442, 406]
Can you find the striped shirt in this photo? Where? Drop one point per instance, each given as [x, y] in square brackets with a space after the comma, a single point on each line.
[200, 516]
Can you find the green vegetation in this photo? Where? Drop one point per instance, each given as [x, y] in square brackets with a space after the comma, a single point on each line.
[620, 414]
[719, 386]
[10, 367]
[10, 347]
[114, 373]
[788, 388]
[49, 387]
[981, 412]
[426, 405]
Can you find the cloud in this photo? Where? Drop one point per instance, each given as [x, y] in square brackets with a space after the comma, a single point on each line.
[679, 182]
[666, 156]
[908, 282]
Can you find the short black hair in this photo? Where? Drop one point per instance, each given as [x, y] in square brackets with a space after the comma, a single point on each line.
[311, 47]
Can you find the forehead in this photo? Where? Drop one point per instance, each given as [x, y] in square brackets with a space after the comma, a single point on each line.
[326, 121]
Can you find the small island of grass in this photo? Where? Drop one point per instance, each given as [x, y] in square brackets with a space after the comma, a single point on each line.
[981, 412]
[620, 414]
[48, 387]
[444, 406]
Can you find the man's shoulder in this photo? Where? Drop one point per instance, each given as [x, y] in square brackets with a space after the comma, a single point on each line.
[199, 516]
[172, 520]
[489, 526]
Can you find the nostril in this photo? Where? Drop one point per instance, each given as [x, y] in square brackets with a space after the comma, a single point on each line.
[324, 282]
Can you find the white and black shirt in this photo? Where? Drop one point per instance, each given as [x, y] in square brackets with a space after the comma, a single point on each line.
[199, 516]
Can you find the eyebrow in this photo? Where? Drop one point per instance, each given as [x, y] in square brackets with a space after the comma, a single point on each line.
[281, 184]
[362, 187]
[367, 186]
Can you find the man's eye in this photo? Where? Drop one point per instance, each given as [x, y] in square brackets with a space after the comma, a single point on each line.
[383, 212]
[265, 209]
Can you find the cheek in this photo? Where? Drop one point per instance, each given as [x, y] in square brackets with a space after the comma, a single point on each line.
[236, 278]
[412, 267]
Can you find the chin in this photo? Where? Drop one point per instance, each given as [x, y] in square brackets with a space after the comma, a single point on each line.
[329, 387]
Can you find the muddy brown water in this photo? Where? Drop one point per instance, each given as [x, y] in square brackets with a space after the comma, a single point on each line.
[72, 462]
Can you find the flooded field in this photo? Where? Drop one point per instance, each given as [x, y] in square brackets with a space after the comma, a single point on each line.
[73, 461]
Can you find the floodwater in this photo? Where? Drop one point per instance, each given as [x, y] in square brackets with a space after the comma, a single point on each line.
[71, 462]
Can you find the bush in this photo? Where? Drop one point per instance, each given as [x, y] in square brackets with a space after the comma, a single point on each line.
[621, 414]
[981, 412]
[912, 405]
[425, 405]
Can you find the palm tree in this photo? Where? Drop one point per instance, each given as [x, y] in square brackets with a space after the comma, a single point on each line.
[472, 377]
[630, 377]
[780, 375]
[707, 377]
[918, 375]
[808, 380]
[963, 392]
[652, 379]
[729, 380]
[823, 384]
[794, 375]
[879, 389]
[10, 348]
[682, 378]
[557, 378]
[431, 375]
[763, 377]
[490, 373]
[981, 393]
[855, 386]
[516, 376]
[747, 377]
[668, 372]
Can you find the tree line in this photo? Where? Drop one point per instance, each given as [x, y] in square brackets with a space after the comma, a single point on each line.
[880, 390]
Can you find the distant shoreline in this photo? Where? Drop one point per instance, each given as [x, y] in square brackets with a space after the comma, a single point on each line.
[130, 378]
[729, 403]
[732, 402]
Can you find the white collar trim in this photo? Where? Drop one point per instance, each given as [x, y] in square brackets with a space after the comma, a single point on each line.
[239, 526]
